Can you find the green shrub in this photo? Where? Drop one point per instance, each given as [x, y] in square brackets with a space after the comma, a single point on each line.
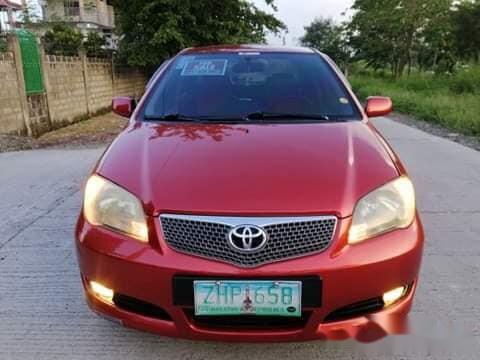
[95, 45]
[452, 101]
[63, 40]
[466, 81]
[3, 45]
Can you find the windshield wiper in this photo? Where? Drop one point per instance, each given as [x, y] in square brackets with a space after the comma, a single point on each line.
[172, 117]
[280, 116]
[184, 118]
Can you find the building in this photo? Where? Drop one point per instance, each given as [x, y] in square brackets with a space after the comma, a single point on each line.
[85, 15]
[7, 16]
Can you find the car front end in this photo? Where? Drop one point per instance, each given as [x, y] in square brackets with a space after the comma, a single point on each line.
[250, 231]
[152, 287]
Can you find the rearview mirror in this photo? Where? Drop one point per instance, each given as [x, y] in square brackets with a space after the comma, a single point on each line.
[378, 106]
[123, 106]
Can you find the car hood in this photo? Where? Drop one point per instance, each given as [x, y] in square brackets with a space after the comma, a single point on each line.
[280, 169]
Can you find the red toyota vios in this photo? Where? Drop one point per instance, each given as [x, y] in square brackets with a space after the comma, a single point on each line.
[250, 199]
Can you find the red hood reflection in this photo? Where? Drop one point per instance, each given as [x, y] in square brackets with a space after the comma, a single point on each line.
[249, 168]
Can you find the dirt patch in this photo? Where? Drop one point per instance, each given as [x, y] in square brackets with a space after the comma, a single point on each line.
[96, 131]
[16, 143]
[437, 130]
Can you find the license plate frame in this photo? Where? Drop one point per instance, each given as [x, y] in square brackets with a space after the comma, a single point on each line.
[247, 297]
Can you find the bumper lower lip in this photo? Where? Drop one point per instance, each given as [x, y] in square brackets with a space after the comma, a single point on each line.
[390, 321]
[352, 275]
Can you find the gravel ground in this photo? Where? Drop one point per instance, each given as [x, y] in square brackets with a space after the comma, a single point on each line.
[437, 130]
[90, 133]
[43, 314]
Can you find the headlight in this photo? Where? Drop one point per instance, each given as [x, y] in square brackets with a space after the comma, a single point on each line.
[107, 204]
[390, 207]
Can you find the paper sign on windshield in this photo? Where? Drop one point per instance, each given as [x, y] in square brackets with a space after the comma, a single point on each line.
[205, 68]
[183, 61]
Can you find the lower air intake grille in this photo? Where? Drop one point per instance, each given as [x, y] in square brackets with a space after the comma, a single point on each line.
[140, 307]
[286, 237]
[249, 322]
[355, 310]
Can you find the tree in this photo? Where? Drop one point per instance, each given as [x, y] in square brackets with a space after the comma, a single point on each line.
[467, 30]
[390, 32]
[62, 40]
[154, 30]
[435, 48]
[95, 45]
[328, 37]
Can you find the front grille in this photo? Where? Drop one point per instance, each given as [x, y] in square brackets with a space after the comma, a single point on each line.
[355, 310]
[207, 236]
[140, 307]
[249, 321]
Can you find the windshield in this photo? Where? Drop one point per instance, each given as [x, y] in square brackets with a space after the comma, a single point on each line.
[231, 86]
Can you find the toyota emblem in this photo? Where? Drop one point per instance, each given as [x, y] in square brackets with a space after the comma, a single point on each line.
[247, 238]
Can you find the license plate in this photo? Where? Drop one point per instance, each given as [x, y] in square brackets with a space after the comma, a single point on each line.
[261, 298]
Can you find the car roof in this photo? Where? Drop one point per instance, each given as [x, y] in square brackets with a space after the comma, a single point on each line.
[246, 48]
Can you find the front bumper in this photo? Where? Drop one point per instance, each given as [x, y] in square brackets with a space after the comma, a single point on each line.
[349, 275]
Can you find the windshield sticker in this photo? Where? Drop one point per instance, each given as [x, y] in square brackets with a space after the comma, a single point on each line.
[249, 53]
[344, 101]
[205, 68]
[183, 61]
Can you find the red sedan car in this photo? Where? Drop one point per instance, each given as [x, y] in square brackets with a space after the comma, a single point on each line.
[250, 199]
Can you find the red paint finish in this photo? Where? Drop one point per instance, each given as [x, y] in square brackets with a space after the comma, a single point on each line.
[350, 274]
[378, 106]
[252, 170]
[123, 106]
[241, 169]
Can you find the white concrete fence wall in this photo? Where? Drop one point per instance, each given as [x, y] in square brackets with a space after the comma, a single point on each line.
[75, 88]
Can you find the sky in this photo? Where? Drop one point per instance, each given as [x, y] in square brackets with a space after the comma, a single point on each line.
[297, 14]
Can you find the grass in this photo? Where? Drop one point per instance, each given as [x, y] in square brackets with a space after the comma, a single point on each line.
[452, 101]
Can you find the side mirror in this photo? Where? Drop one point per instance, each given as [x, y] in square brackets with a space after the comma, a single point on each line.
[378, 106]
[123, 106]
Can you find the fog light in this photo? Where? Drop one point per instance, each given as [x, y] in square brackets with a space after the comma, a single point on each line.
[392, 296]
[102, 292]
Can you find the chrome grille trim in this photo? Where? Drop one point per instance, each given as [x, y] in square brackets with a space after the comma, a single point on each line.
[289, 237]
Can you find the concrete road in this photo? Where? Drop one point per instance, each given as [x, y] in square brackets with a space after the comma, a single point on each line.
[43, 314]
